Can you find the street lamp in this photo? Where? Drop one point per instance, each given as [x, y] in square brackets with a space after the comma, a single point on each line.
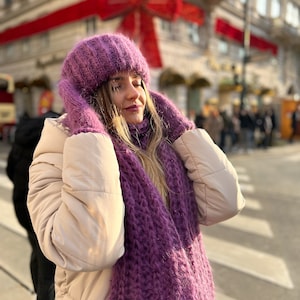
[246, 50]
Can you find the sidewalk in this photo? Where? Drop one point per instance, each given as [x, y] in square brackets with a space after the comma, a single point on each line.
[15, 279]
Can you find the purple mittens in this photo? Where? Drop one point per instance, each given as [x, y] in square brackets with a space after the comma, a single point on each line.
[80, 115]
[175, 122]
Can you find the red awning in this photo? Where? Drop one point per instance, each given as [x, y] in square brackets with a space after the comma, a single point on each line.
[224, 28]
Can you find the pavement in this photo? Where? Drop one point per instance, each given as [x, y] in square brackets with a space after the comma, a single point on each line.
[15, 279]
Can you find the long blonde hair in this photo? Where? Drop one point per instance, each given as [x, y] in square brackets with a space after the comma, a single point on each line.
[117, 126]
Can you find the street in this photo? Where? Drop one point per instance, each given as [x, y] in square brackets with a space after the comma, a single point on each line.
[254, 255]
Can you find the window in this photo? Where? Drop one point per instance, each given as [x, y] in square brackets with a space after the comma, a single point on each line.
[44, 40]
[90, 26]
[223, 47]
[275, 9]
[166, 26]
[1, 55]
[25, 46]
[10, 50]
[292, 14]
[261, 7]
[193, 33]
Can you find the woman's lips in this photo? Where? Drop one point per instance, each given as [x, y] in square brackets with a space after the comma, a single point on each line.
[132, 108]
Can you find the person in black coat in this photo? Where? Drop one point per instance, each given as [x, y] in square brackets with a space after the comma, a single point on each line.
[27, 135]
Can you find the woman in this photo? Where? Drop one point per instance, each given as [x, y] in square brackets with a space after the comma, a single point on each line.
[116, 200]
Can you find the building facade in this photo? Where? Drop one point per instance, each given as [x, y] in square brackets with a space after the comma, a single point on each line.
[198, 53]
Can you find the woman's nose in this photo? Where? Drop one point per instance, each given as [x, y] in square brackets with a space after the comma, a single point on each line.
[132, 92]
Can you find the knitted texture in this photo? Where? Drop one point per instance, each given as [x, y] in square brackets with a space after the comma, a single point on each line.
[174, 121]
[81, 117]
[164, 253]
[93, 60]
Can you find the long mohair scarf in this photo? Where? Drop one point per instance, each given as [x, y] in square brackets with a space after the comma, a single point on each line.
[164, 253]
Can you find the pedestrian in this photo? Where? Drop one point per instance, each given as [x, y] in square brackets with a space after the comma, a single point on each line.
[27, 134]
[214, 124]
[247, 121]
[117, 200]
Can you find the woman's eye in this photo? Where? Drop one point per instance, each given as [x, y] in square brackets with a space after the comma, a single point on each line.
[137, 83]
[116, 88]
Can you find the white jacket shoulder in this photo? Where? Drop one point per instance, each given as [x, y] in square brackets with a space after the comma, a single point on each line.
[214, 178]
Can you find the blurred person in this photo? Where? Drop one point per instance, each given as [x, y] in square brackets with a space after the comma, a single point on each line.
[227, 132]
[267, 128]
[236, 128]
[295, 123]
[27, 134]
[266, 123]
[199, 119]
[117, 200]
[247, 121]
[214, 124]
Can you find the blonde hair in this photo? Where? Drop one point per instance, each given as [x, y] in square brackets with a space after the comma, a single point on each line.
[117, 126]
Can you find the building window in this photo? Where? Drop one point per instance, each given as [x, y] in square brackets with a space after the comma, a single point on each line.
[166, 26]
[275, 9]
[241, 53]
[90, 26]
[44, 40]
[1, 55]
[292, 14]
[193, 33]
[261, 7]
[10, 50]
[223, 47]
[25, 46]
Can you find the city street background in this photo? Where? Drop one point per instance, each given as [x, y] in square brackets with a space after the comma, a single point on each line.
[254, 255]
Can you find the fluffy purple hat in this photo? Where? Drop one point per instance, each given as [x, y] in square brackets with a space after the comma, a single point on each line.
[93, 60]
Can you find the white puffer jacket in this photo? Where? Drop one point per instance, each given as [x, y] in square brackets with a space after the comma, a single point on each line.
[76, 206]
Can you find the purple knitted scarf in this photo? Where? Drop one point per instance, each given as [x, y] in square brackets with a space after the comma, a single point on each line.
[164, 253]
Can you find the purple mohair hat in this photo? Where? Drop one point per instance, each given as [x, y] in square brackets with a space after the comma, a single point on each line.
[93, 60]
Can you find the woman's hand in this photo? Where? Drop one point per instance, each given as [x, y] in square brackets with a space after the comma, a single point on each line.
[175, 122]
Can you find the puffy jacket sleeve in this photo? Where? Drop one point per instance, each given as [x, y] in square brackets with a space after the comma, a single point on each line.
[75, 199]
[215, 180]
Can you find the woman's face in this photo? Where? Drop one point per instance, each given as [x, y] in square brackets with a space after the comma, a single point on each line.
[128, 95]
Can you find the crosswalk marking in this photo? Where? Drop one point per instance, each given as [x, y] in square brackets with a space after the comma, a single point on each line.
[5, 182]
[243, 177]
[256, 263]
[244, 259]
[2, 164]
[249, 261]
[245, 187]
[292, 158]
[252, 204]
[8, 218]
[251, 225]
[240, 170]
[220, 296]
